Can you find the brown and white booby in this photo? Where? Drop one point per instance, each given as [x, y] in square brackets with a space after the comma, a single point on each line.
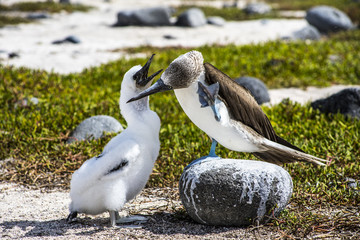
[235, 120]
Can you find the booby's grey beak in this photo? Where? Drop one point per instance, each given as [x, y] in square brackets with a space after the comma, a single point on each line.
[141, 76]
[159, 86]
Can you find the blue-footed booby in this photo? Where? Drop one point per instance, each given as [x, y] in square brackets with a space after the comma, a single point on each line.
[234, 119]
[120, 172]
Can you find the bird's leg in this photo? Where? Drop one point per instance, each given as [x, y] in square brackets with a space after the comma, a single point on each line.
[209, 157]
[132, 219]
[212, 149]
[71, 217]
[215, 110]
[113, 218]
[116, 219]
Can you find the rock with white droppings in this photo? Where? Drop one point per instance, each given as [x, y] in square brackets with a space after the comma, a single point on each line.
[231, 192]
[94, 127]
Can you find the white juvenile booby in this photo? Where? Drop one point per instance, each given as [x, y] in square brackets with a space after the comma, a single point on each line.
[239, 123]
[120, 172]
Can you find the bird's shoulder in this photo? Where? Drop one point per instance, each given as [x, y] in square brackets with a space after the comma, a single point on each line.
[241, 105]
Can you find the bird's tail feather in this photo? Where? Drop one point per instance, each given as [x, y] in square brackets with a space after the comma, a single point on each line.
[279, 154]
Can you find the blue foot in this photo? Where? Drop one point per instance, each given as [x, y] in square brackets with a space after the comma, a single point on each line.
[211, 156]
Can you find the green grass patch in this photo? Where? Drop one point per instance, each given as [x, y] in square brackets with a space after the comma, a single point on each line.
[229, 14]
[12, 20]
[48, 6]
[34, 135]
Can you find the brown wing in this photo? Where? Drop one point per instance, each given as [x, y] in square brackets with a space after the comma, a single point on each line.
[242, 106]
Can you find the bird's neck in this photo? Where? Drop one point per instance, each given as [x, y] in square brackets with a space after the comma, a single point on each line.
[133, 110]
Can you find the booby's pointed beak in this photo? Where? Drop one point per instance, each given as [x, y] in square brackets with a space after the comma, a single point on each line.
[141, 76]
[159, 86]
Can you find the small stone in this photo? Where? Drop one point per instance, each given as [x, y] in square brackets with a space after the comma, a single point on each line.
[26, 102]
[231, 192]
[157, 16]
[169, 37]
[13, 55]
[69, 39]
[346, 102]
[353, 184]
[64, 1]
[193, 17]
[36, 15]
[308, 32]
[257, 8]
[217, 21]
[328, 19]
[93, 128]
[256, 87]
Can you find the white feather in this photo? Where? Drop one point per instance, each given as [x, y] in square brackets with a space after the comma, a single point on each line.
[94, 188]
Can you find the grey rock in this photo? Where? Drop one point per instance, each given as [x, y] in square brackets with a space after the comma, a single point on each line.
[69, 39]
[26, 102]
[308, 32]
[218, 21]
[346, 102]
[193, 17]
[328, 19]
[36, 15]
[257, 8]
[169, 37]
[231, 192]
[156, 16]
[334, 58]
[64, 1]
[94, 127]
[257, 88]
[13, 55]
[233, 4]
[353, 184]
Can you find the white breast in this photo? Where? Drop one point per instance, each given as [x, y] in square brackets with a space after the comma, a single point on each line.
[233, 137]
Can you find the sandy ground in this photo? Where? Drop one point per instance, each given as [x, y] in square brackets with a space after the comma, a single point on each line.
[41, 214]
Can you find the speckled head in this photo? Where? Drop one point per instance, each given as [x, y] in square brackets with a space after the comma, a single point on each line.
[181, 73]
[184, 70]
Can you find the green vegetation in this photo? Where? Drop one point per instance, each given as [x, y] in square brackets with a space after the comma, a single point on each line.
[48, 6]
[229, 14]
[11, 20]
[34, 135]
